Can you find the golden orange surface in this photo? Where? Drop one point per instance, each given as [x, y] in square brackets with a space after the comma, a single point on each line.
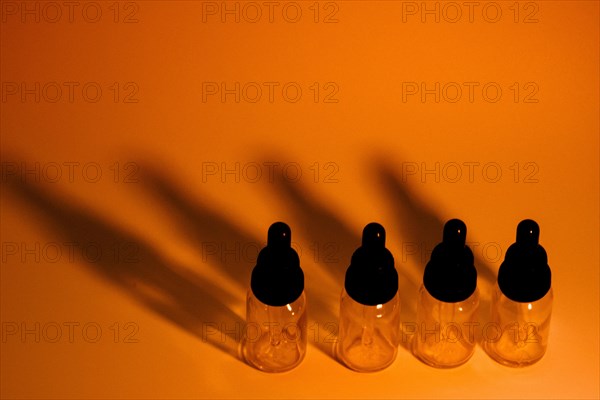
[147, 146]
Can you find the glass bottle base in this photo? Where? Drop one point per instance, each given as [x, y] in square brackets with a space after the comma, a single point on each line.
[267, 362]
[362, 368]
[524, 362]
[436, 363]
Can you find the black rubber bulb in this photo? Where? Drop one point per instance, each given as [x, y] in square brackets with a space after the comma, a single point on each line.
[450, 274]
[455, 233]
[528, 233]
[279, 235]
[524, 275]
[373, 236]
[277, 278]
[371, 278]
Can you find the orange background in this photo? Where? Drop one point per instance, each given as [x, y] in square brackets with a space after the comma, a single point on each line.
[178, 243]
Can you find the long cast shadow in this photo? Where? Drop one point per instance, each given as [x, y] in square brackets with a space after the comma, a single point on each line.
[218, 239]
[423, 228]
[209, 228]
[186, 299]
[331, 243]
[318, 222]
[325, 230]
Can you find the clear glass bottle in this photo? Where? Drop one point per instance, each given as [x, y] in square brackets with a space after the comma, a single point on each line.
[517, 335]
[448, 302]
[369, 322]
[275, 337]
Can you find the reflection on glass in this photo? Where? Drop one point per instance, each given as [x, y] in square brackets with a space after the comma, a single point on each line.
[446, 331]
[518, 333]
[368, 335]
[275, 337]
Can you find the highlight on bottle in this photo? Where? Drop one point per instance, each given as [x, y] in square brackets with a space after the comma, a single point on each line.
[518, 333]
[369, 306]
[368, 331]
[276, 306]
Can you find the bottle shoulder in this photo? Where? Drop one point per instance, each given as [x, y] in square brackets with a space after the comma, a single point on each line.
[299, 303]
[548, 297]
[427, 297]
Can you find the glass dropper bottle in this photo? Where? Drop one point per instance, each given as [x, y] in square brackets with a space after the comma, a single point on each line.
[448, 302]
[275, 335]
[522, 302]
[369, 306]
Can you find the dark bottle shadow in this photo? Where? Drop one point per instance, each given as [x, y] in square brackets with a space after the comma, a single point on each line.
[329, 246]
[218, 239]
[194, 303]
[188, 300]
[205, 226]
[319, 223]
[423, 228]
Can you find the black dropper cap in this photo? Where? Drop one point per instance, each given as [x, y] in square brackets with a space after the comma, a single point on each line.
[450, 275]
[525, 276]
[371, 278]
[277, 279]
